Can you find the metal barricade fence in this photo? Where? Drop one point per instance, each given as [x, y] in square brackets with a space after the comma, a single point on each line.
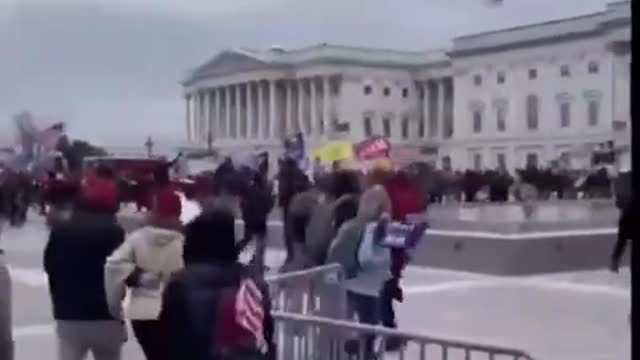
[310, 310]
[333, 339]
[318, 291]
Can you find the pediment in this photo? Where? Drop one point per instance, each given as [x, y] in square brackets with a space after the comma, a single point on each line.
[228, 62]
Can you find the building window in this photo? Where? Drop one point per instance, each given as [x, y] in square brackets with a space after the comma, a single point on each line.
[532, 112]
[446, 162]
[533, 74]
[386, 127]
[501, 77]
[565, 114]
[421, 93]
[593, 67]
[421, 128]
[477, 121]
[565, 71]
[531, 161]
[501, 121]
[593, 110]
[477, 80]
[368, 126]
[477, 161]
[367, 90]
[501, 161]
[405, 128]
[386, 91]
[405, 93]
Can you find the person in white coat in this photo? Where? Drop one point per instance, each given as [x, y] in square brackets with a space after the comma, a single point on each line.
[142, 267]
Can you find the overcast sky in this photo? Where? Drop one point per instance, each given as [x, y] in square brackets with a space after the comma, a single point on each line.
[110, 68]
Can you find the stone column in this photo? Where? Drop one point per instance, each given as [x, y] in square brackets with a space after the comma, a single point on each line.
[218, 111]
[314, 108]
[187, 99]
[288, 108]
[262, 125]
[214, 114]
[301, 118]
[425, 107]
[326, 116]
[227, 114]
[272, 110]
[238, 110]
[441, 111]
[250, 114]
[196, 117]
[206, 112]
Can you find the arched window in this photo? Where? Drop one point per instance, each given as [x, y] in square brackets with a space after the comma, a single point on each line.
[532, 112]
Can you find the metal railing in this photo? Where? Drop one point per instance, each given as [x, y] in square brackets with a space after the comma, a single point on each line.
[346, 340]
[312, 323]
[318, 291]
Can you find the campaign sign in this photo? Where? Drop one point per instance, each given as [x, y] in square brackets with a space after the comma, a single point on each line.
[400, 235]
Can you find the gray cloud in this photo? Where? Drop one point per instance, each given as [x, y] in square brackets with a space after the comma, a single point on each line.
[111, 68]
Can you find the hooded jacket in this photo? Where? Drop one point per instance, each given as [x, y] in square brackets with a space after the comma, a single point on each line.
[344, 249]
[157, 253]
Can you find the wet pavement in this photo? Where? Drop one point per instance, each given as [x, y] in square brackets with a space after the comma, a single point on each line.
[578, 315]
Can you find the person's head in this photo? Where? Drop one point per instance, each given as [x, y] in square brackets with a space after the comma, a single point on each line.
[165, 211]
[210, 237]
[344, 182]
[98, 196]
[374, 203]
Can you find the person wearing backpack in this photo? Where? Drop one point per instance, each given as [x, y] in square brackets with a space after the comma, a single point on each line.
[363, 287]
[216, 308]
[144, 264]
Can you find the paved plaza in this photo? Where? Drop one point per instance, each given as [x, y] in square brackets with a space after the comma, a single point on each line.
[565, 316]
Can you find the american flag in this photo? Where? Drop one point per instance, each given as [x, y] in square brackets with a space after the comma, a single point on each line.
[249, 312]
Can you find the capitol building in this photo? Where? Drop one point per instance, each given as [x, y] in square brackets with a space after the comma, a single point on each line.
[525, 95]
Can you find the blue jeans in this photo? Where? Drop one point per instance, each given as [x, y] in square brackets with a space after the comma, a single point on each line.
[367, 307]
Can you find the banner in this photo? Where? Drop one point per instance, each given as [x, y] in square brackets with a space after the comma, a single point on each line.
[373, 148]
[334, 151]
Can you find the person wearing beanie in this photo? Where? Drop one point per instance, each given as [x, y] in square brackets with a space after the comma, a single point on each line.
[74, 260]
[191, 313]
[143, 265]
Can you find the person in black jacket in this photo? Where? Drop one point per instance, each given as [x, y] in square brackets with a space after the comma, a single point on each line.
[291, 181]
[190, 314]
[74, 260]
[256, 203]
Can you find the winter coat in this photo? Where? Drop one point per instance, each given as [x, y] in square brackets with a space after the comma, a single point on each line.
[322, 229]
[150, 250]
[189, 308]
[74, 260]
[344, 248]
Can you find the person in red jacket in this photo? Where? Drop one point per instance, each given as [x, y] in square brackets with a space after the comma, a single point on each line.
[406, 199]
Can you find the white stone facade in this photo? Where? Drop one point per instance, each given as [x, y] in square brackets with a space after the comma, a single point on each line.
[533, 93]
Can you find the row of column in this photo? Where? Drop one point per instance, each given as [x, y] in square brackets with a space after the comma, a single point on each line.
[262, 110]
[436, 111]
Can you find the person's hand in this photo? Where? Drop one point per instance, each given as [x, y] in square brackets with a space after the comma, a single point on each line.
[149, 280]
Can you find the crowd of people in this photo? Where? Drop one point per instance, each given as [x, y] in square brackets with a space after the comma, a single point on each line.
[188, 296]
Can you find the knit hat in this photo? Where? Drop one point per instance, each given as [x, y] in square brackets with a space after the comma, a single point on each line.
[100, 195]
[167, 204]
[210, 237]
